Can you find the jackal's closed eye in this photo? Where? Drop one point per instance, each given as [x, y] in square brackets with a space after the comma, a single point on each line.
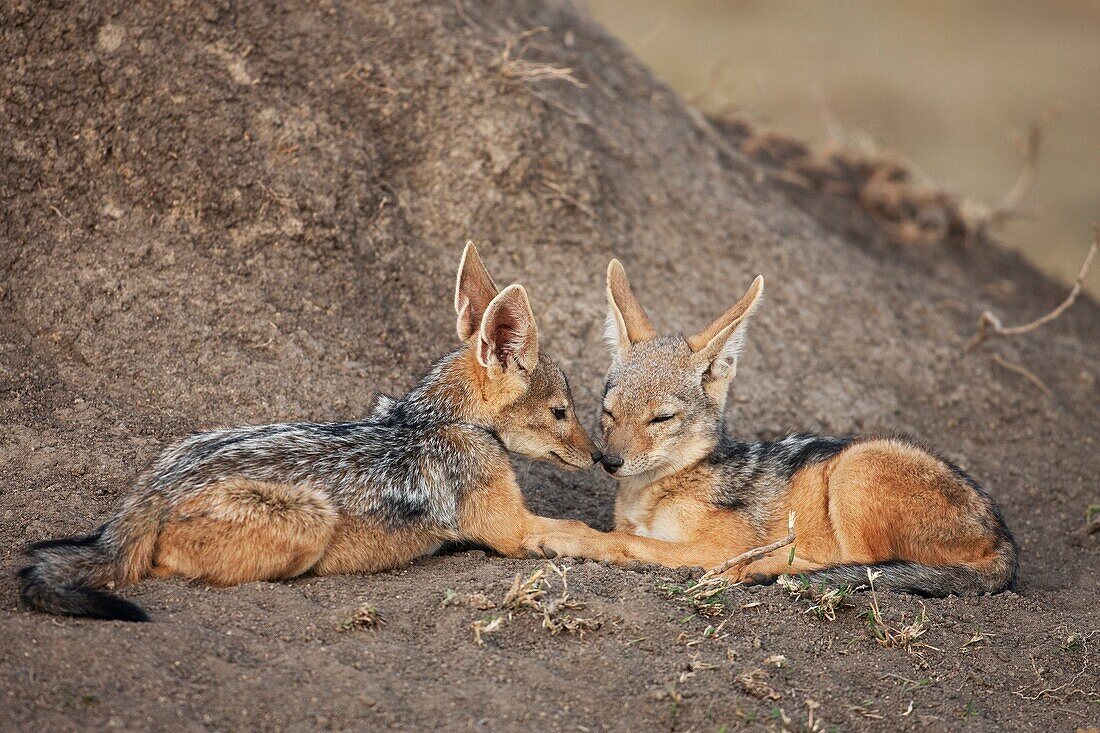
[607, 414]
[558, 412]
[661, 418]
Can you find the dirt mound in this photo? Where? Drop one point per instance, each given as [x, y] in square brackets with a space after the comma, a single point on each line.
[219, 213]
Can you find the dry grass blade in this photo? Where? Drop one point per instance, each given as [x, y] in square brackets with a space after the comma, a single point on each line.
[483, 627]
[1077, 643]
[754, 554]
[559, 193]
[533, 594]
[515, 68]
[525, 593]
[888, 635]
[557, 611]
[990, 325]
[703, 596]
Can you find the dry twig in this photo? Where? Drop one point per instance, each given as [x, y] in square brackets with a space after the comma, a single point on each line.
[990, 325]
[754, 554]
[1025, 373]
[1010, 204]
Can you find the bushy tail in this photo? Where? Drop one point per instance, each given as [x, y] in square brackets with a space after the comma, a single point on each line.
[927, 580]
[65, 575]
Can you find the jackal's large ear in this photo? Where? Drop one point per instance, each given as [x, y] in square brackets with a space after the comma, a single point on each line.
[716, 347]
[474, 290]
[627, 322]
[508, 336]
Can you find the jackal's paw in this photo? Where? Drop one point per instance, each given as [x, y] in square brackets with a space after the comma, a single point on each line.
[754, 573]
[551, 546]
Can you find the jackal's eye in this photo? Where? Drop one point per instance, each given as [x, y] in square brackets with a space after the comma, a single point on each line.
[607, 414]
[558, 412]
[661, 418]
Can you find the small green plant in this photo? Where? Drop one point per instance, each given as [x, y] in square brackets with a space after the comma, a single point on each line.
[918, 684]
[978, 637]
[822, 601]
[1073, 643]
[1092, 519]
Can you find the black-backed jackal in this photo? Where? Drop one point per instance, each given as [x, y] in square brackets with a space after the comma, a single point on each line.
[689, 494]
[276, 501]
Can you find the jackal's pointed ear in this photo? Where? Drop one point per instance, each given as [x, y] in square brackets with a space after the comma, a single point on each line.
[474, 290]
[627, 322]
[508, 337]
[716, 347]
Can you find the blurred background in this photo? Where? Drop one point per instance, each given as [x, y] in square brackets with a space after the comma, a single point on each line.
[946, 84]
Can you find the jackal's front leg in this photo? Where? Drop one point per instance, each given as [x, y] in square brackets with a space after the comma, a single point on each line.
[621, 548]
[496, 516]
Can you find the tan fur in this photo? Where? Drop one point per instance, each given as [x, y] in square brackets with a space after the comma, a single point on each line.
[138, 538]
[366, 546]
[496, 516]
[730, 319]
[239, 531]
[889, 499]
[625, 308]
[842, 518]
[874, 501]
[242, 531]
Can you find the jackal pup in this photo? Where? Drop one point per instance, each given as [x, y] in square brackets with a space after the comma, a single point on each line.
[273, 502]
[689, 494]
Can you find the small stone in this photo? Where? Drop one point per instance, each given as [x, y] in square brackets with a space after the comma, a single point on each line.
[110, 37]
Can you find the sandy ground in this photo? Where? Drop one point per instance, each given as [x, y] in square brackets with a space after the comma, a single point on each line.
[215, 215]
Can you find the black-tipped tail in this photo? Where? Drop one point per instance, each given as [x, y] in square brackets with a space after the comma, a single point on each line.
[68, 600]
[923, 580]
[57, 581]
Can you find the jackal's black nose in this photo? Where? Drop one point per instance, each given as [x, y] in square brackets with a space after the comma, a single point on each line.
[611, 464]
[596, 456]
